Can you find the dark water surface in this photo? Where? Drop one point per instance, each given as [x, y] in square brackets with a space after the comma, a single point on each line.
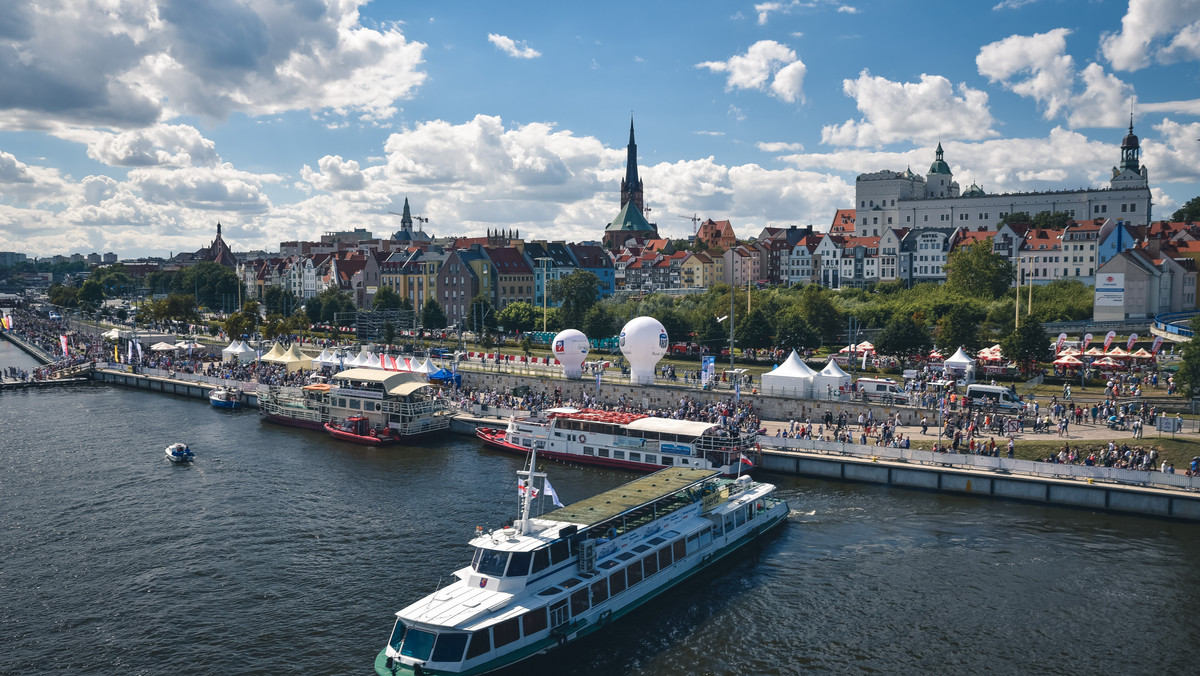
[282, 550]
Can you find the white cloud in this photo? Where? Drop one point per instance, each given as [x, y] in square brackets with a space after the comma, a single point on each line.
[1106, 102]
[1175, 155]
[21, 183]
[918, 111]
[1042, 57]
[1162, 30]
[517, 50]
[778, 146]
[221, 188]
[1012, 4]
[160, 145]
[764, 9]
[1189, 107]
[765, 61]
[131, 64]
[335, 174]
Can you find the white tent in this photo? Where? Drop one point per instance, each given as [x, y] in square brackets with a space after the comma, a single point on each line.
[231, 352]
[831, 380]
[163, 347]
[960, 365]
[792, 378]
[245, 353]
[113, 334]
[324, 359]
[424, 367]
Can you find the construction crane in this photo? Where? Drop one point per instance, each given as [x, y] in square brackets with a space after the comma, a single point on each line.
[695, 220]
[423, 219]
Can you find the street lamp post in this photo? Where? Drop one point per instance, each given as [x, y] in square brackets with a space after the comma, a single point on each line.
[545, 288]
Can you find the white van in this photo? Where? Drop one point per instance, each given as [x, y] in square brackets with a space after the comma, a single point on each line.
[883, 390]
[1003, 398]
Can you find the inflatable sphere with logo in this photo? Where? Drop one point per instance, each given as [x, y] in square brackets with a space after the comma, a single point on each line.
[571, 348]
[643, 342]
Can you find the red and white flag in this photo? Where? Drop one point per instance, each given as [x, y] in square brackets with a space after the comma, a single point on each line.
[1108, 340]
[1132, 339]
[66, 348]
[1157, 345]
[1087, 340]
[1062, 338]
[744, 460]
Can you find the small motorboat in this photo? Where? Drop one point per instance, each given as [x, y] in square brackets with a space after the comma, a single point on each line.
[225, 397]
[359, 430]
[180, 453]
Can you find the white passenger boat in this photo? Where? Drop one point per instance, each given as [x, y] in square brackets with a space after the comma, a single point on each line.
[627, 440]
[549, 580]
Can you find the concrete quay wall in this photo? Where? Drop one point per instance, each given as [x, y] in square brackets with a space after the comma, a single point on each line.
[768, 407]
[181, 388]
[1132, 500]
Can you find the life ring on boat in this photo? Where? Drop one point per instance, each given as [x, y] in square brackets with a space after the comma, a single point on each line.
[582, 439]
[374, 433]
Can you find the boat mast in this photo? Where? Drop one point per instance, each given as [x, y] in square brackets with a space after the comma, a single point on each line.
[527, 494]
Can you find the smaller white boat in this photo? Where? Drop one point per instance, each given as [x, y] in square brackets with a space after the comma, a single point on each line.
[225, 397]
[180, 453]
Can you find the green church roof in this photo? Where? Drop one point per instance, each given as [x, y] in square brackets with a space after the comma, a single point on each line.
[630, 219]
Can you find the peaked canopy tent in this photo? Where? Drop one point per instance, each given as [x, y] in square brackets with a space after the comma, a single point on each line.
[163, 347]
[792, 378]
[293, 359]
[830, 380]
[959, 364]
[275, 354]
[230, 352]
[1068, 360]
[245, 353]
[446, 377]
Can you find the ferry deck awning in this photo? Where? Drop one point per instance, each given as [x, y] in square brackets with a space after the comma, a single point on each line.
[670, 426]
[599, 508]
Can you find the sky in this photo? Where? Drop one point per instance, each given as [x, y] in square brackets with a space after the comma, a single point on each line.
[135, 126]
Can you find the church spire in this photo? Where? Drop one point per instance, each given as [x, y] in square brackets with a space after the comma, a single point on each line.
[631, 186]
[406, 217]
[1130, 150]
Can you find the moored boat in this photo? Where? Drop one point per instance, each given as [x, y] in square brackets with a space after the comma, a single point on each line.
[224, 396]
[627, 440]
[359, 430]
[306, 407]
[549, 580]
[180, 453]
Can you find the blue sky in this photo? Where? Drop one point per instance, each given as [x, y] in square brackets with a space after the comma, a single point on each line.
[134, 126]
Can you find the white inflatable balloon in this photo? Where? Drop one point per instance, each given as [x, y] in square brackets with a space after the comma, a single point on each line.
[643, 342]
[571, 348]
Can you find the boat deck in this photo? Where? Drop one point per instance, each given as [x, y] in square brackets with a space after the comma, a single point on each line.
[640, 491]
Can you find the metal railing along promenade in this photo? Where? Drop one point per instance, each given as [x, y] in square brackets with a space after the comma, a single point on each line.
[1135, 477]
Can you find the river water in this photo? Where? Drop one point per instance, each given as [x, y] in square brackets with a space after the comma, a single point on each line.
[283, 550]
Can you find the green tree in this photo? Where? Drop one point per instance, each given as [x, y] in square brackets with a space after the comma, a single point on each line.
[1052, 221]
[1189, 212]
[238, 324]
[753, 331]
[793, 331]
[598, 323]
[903, 337]
[212, 284]
[280, 301]
[432, 316]
[91, 294]
[577, 293]
[273, 325]
[325, 305]
[180, 307]
[1027, 345]
[386, 299]
[527, 345]
[976, 272]
[958, 328]
[1188, 376]
[818, 310]
[480, 315]
[709, 332]
[63, 296]
[389, 332]
[115, 279]
[518, 316]
[678, 330]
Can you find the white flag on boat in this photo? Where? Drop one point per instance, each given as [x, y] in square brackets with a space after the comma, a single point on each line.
[552, 494]
[521, 489]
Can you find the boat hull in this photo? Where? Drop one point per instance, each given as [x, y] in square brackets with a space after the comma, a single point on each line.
[225, 403]
[294, 422]
[576, 631]
[343, 435]
[494, 438]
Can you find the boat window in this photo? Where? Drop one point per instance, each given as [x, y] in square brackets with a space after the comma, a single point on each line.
[518, 565]
[378, 406]
[634, 573]
[534, 621]
[491, 562]
[418, 644]
[599, 591]
[481, 642]
[635, 457]
[679, 547]
[588, 450]
[398, 634]
[625, 556]
[541, 559]
[739, 517]
[728, 522]
[449, 647]
[604, 453]
[651, 459]
[579, 602]
[569, 582]
[558, 613]
[619, 455]
[559, 551]
[655, 541]
[354, 403]
[668, 461]
[608, 564]
[693, 543]
[650, 565]
[664, 557]
[641, 548]
[706, 536]
[506, 632]
[616, 583]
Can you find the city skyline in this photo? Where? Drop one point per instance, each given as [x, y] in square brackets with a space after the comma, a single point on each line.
[283, 122]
